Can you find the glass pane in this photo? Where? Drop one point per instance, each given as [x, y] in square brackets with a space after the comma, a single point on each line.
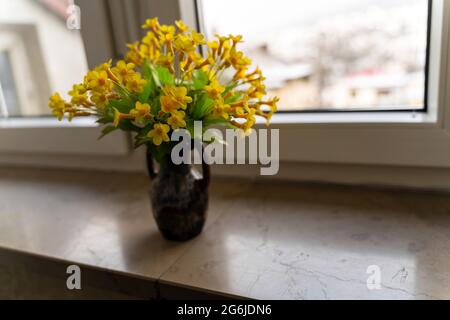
[39, 55]
[338, 55]
[10, 101]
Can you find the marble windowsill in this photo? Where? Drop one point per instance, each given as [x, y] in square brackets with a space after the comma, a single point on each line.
[262, 240]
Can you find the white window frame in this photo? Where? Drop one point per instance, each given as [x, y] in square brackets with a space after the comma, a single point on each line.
[378, 138]
[20, 38]
[46, 135]
[366, 141]
[106, 27]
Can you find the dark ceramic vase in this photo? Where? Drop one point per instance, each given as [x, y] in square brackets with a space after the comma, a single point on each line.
[179, 199]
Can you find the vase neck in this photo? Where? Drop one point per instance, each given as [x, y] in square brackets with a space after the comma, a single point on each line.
[167, 166]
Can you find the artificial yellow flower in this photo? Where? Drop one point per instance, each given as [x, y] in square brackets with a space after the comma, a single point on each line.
[98, 81]
[212, 74]
[165, 29]
[214, 89]
[240, 74]
[159, 133]
[196, 58]
[141, 111]
[166, 60]
[184, 44]
[124, 70]
[257, 74]
[152, 24]
[134, 55]
[168, 104]
[177, 49]
[167, 39]
[189, 65]
[176, 120]
[271, 103]
[246, 127]
[268, 117]
[250, 116]
[182, 28]
[167, 36]
[198, 38]
[214, 47]
[120, 116]
[221, 110]
[238, 60]
[257, 90]
[221, 38]
[104, 66]
[58, 105]
[78, 94]
[185, 64]
[79, 89]
[99, 99]
[151, 40]
[174, 98]
[210, 60]
[135, 83]
[150, 52]
[239, 111]
[117, 117]
[225, 53]
[235, 39]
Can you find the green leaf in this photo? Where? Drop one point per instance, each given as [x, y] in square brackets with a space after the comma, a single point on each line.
[217, 122]
[147, 70]
[127, 125]
[202, 106]
[200, 79]
[122, 105]
[106, 130]
[235, 97]
[164, 76]
[149, 90]
[140, 140]
[156, 105]
[123, 92]
[230, 87]
[190, 128]
[206, 108]
[150, 87]
[105, 120]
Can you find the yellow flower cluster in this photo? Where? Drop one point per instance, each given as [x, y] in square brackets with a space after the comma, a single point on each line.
[165, 84]
[174, 98]
[100, 86]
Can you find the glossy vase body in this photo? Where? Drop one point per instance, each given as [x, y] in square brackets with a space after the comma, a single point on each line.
[179, 200]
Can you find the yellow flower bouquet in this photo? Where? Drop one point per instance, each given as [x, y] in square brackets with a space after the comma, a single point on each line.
[165, 84]
[170, 80]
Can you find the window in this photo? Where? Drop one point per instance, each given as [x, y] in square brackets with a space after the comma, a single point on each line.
[332, 55]
[39, 55]
[410, 128]
[402, 132]
[36, 46]
[9, 102]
